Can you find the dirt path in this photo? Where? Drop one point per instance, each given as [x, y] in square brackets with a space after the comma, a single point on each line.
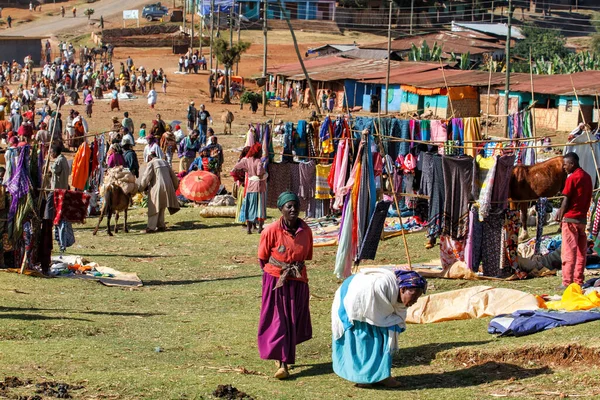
[52, 25]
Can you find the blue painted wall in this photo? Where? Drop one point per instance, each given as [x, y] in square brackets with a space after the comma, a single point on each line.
[394, 98]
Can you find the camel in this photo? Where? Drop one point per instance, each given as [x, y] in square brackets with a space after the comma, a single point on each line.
[227, 118]
[545, 179]
[115, 201]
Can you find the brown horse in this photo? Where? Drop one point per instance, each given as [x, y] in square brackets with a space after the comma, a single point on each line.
[115, 200]
[545, 179]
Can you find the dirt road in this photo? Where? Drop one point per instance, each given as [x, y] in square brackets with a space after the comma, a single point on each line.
[55, 24]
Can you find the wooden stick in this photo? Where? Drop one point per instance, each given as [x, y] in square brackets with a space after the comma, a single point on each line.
[395, 202]
[586, 128]
[487, 110]
[533, 129]
[447, 89]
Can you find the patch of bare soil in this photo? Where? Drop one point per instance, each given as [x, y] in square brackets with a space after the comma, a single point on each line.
[555, 356]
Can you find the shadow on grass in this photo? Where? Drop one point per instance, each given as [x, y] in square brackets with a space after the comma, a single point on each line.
[37, 317]
[114, 313]
[472, 376]
[193, 281]
[423, 355]
[311, 370]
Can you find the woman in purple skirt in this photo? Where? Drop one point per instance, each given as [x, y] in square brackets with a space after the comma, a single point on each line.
[285, 316]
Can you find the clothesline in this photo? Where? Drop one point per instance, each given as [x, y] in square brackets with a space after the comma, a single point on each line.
[296, 156]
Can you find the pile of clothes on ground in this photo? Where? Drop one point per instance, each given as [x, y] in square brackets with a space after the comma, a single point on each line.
[79, 268]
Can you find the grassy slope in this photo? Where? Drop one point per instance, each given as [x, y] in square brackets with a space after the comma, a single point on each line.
[200, 305]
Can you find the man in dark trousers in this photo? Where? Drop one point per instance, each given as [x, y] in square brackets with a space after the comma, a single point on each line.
[573, 218]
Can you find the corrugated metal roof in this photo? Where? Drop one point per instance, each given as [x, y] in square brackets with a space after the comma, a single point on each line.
[451, 42]
[586, 83]
[338, 47]
[435, 79]
[337, 67]
[489, 28]
[374, 54]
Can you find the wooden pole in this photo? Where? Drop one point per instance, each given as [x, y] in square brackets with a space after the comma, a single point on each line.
[586, 128]
[507, 63]
[487, 110]
[308, 80]
[447, 89]
[395, 199]
[192, 26]
[264, 93]
[212, 31]
[389, 51]
[533, 128]
[201, 27]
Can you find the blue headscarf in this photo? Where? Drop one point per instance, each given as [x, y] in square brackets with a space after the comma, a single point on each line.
[410, 279]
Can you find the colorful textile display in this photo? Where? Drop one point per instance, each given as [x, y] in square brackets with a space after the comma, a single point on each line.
[540, 208]
[81, 167]
[322, 191]
[458, 186]
[368, 247]
[70, 206]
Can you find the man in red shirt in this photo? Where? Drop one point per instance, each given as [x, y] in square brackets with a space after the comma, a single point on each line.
[573, 215]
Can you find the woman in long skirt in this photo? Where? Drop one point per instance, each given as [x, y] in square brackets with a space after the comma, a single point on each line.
[255, 200]
[368, 312]
[284, 247]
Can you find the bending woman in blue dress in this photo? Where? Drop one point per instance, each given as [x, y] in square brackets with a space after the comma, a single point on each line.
[369, 310]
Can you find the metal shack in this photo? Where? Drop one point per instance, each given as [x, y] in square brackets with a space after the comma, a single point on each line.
[19, 47]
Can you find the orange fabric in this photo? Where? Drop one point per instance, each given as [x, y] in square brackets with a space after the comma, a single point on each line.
[462, 93]
[423, 91]
[277, 242]
[81, 167]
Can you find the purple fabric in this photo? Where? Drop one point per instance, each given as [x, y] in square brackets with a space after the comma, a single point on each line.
[504, 168]
[284, 319]
[18, 186]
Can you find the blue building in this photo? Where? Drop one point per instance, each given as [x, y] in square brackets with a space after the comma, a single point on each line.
[296, 9]
[252, 9]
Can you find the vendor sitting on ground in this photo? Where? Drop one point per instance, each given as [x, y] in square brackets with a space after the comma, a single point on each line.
[368, 312]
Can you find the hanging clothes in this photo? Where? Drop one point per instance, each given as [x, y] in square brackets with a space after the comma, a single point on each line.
[63, 234]
[504, 168]
[540, 208]
[326, 136]
[370, 243]
[436, 200]
[439, 134]
[283, 176]
[288, 143]
[70, 206]
[300, 143]
[425, 130]
[340, 172]
[586, 153]
[451, 251]
[81, 167]
[322, 191]
[472, 131]
[487, 166]
[458, 187]
[307, 185]
[474, 241]
[492, 254]
[403, 147]
[512, 224]
[345, 251]
[19, 183]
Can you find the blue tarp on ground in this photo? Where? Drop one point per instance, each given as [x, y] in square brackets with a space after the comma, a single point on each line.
[523, 323]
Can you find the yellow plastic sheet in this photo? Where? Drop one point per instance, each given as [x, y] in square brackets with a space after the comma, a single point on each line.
[573, 299]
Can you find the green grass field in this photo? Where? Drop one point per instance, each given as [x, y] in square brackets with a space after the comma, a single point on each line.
[200, 306]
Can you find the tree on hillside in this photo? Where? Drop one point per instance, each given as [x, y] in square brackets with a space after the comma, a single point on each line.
[229, 56]
[542, 42]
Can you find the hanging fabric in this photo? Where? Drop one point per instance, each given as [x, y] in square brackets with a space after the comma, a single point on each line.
[436, 200]
[540, 209]
[370, 243]
[326, 136]
[451, 251]
[439, 134]
[472, 131]
[458, 187]
[288, 144]
[300, 143]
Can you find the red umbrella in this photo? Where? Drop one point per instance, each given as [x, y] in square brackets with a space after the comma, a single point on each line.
[199, 186]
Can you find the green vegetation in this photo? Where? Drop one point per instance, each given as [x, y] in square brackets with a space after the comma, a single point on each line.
[193, 326]
[229, 55]
[425, 53]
